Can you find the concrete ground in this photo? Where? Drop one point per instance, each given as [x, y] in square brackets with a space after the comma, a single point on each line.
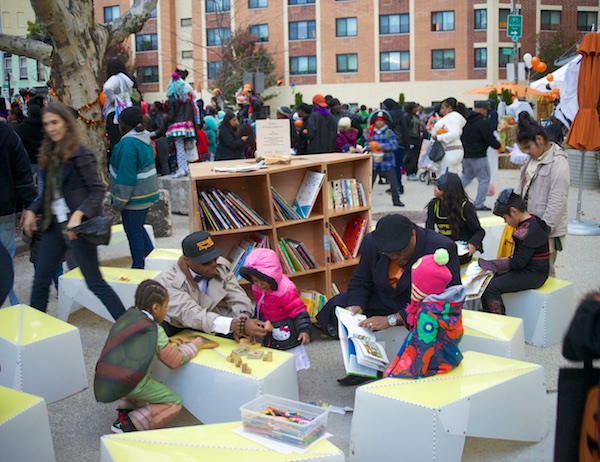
[78, 422]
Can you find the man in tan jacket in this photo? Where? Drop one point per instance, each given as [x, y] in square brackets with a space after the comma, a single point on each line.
[204, 295]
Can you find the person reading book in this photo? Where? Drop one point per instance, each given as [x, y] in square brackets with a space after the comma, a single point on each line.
[529, 266]
[380, 285]
[277, 301]
[205, 295]
[435, 321]
[454, 215]
[122, 372]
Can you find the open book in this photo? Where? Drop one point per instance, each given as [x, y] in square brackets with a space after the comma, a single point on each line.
[361, 353]
[475, 280]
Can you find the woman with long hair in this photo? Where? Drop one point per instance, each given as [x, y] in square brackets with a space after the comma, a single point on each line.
[73, 192]
[454, 215]
[447, 131]
[229, 145]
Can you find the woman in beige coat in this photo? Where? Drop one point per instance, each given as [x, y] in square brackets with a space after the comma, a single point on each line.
[544, 182]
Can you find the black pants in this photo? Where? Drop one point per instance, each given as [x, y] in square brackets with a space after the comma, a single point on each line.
[390, 176]
[162, 156]
[513, 281]
[112, 129]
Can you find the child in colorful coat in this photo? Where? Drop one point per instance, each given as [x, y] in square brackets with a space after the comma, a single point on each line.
[277, 301]
[434, 317]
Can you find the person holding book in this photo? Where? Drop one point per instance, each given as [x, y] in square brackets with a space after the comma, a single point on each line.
[454, 215]
[277, 301]
[205, 295]
[435, 321]
[380, 286]
[529, 266]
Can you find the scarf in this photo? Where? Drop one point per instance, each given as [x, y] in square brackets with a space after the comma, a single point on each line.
[53, 184]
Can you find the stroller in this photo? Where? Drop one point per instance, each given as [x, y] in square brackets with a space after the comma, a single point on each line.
[428, 169]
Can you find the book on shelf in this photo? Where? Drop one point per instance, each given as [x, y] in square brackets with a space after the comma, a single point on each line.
[239, 252]
[314, 301]
[282, 207]
[345, 193]
[295, 256]
[354, 234]
[308, 192]
[334, 250]
[361, 353]
[303, 250]
[221, 210]
[286, 262]
[334, 289]
[339, 242]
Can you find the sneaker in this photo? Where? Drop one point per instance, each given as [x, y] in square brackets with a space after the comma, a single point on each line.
[483, 208]
[399, 204]
[412, 177]
[123, 424]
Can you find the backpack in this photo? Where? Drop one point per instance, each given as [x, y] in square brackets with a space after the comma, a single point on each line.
[122, 100]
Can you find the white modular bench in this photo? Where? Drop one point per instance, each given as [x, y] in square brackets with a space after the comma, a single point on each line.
[73, 292]
[213, 389]
[119, 245]
[494, 227]
[428, 419]
[546, 312]
[162, 259]
[218, 442]
[40, 354]
[24, 428]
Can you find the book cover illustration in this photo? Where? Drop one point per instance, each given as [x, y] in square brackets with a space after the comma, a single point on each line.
[308, 192]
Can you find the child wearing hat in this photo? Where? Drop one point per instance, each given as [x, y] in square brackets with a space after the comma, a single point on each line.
[434, 319]
[277, 301]
[346, 137]
[529, 265]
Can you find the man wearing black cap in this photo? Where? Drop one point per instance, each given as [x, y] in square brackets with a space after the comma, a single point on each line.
[204, 295]
[381, 283]
[476, 137]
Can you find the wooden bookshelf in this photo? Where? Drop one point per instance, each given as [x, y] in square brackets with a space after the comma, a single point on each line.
[254, 188]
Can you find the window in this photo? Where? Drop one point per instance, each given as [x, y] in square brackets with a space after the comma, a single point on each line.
[345, 27]
[148, 74]
[146, 42]
[41, 72]
[7, 68]
[303, 65]
[187, 54]
[153, 14]
[300, 2]
[22, 67]
[186, 22]
[217, 6]
[218, 36]
[586, 19]
[261, 31]
[480, 19]
[480, 58]
[213, 69]
[442, 21]
[303, 30]
[394, 61]
[442, 59]
[503, 18]
[394, 24]
[505, 57]
[347, 62]
[550, 20]
[257, 4]
[111, 13]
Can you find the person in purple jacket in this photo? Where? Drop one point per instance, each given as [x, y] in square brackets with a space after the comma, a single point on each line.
[346, 136]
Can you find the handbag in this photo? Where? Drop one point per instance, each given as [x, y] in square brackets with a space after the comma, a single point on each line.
[436, 151]
[284, 335]
[96, 230]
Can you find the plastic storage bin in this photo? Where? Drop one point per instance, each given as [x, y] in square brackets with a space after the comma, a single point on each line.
[289, 421]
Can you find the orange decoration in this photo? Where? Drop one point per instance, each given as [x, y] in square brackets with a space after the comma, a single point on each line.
[542, 67]
[102, 98]
[535, 61]
[298, 123]
[550, 77]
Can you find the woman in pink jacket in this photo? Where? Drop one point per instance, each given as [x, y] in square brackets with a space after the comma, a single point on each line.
[277, 301]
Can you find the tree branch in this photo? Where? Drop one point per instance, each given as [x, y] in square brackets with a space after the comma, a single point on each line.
[131, 22]
[21, 46]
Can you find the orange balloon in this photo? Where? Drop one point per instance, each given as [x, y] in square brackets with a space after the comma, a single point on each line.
[298, 123]
[542, 67]
[535, 61]
[102, 98]
[550, 77]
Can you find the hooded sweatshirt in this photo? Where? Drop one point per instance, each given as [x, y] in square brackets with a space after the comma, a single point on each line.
[453, 123]
[431, 346]
[211, 133]
[133, 178]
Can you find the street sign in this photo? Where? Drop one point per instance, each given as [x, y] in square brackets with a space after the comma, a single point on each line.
[507, 51]
[515, 26]
[515, 39]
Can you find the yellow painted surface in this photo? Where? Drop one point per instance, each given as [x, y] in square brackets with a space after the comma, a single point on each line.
[117, 229]
[552, 284]
[477, 372]
[34, 327]
[216, 358]
[491, 220]
[124, 275]
[13, 402]
[490, 325]
[202, 443]
[162, 254]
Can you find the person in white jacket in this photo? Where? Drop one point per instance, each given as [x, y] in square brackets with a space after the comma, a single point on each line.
[117, 89]
[447, 131]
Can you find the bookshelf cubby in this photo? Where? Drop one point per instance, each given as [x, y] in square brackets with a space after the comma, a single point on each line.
[254, 188]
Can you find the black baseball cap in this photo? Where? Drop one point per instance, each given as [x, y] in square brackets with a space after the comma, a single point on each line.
[200, 247]
[393, 233]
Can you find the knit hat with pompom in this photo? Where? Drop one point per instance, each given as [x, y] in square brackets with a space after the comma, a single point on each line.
[430, 275]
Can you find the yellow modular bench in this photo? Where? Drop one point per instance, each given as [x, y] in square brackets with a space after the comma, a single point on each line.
[24, 428]
[162, 259]
[119, 245]
[546, 312]
[213, 389]
[487, 333]
[494, 227]
[74, 294]
[40, 354]
[428, 419]
[210, 443]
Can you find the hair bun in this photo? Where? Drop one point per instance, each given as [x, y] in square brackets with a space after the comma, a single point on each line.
[441, 257]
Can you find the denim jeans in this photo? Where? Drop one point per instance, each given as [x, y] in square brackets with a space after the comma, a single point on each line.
[140, 244]
[7, 237]
[53, 247]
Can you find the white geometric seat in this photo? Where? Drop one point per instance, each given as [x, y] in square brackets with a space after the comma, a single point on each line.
[162, 259]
